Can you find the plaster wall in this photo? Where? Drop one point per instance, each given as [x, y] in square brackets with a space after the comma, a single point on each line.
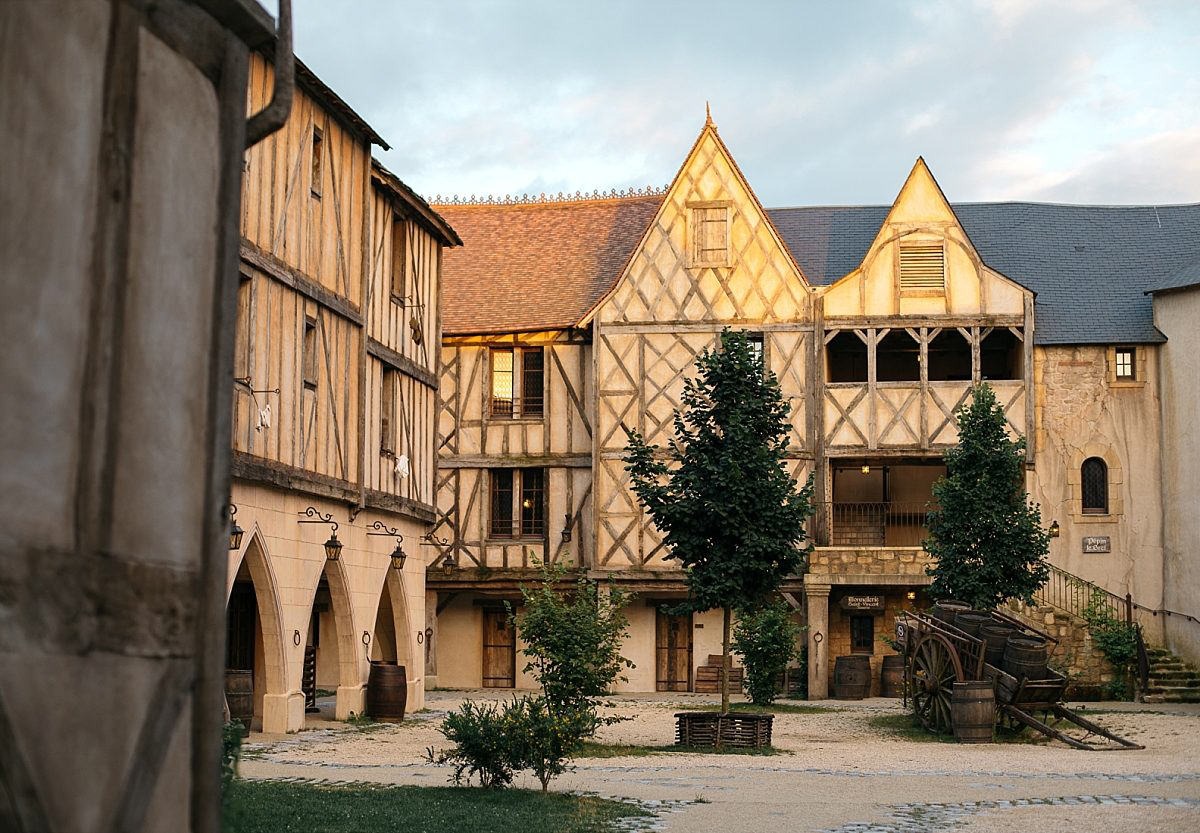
[1176, 314]
[295, 561]
[1082, 412]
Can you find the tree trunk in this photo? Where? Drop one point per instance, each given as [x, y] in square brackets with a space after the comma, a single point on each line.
[725, 621]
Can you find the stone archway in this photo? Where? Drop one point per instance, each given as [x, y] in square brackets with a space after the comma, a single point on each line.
[350, 658]
[269, 664]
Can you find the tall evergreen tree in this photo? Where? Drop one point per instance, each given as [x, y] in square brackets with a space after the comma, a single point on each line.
[729, 511]
[986, 535]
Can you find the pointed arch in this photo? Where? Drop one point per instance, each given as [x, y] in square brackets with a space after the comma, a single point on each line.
[350, 661]
[401, 622]
[270, 613]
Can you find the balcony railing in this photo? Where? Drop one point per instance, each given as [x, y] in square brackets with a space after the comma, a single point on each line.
[521, 407]
[877, 524]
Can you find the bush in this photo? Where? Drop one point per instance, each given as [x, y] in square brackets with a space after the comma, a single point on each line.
[766, 640]
[1116, 639]
[493, 743]
[481, 745]
[231, 751]
[573, 642]
[541, 740]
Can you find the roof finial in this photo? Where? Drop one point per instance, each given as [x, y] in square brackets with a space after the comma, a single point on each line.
[708, 122]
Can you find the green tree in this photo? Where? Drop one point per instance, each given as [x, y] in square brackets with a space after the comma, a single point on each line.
[985, 534]
[766, 639]
[573, 637]
[728, 510]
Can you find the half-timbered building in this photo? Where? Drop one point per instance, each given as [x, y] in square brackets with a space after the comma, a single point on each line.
[571, 320]
[336, 368]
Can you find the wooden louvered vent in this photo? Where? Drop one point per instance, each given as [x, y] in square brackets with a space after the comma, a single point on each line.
[922, 268]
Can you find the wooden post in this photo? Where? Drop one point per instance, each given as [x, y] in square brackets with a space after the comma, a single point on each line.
[725, 622]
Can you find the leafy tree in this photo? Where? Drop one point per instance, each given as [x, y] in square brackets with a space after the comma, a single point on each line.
[985, 534]
[573, 641]
[727, 508]
[766, 639]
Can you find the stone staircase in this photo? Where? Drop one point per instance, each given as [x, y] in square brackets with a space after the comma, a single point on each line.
[708, 676]
[1171, 679]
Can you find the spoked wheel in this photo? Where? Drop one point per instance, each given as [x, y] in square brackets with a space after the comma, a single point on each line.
[935, 668]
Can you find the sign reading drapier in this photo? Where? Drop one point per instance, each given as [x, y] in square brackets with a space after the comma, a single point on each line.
[1096, 543]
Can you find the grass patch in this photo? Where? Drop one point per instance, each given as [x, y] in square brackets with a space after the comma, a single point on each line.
[274, 807]
[594, 749]
[774, 708]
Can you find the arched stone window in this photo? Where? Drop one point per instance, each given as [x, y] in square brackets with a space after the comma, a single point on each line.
[1093, 478]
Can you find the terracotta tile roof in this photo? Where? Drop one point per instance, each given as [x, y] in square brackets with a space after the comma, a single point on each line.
[536, 266]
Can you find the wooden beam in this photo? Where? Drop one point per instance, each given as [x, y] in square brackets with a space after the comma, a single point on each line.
[402, 363]
[276, 269]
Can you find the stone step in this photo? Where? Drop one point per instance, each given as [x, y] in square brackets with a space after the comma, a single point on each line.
[1174, 674]
[1168, 690]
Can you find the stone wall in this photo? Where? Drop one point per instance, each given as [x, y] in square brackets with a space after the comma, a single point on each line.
[869, 561]
[1076, 655]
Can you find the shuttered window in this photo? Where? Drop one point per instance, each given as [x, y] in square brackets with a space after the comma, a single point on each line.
[922, 267]
[387, 411]
[399, 259]
[710, 236]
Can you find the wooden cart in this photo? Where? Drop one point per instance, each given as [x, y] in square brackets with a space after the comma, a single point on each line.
[938, 654]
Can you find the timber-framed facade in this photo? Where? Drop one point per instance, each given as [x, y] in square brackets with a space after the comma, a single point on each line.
[336, 370]
[877, 323]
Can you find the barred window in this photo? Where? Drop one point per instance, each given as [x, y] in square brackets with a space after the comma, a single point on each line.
[1094, 483]
[518, 503]
[518, 383]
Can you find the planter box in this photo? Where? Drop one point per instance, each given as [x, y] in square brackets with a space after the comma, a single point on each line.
[712, 729]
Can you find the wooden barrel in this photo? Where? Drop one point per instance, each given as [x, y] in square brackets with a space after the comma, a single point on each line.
[852, 677]
[973, 711]
[387, 692]
[239, 693]
[1025, 657]
[891, 677]
[970, 621]
[995, 637]
[948, 609]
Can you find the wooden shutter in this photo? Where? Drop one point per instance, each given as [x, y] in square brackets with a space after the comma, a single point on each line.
[399, 258]
[710, 236]
[922, 267]
[387, 412]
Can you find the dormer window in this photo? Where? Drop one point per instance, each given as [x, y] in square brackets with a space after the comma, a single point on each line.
[922, 269]
[708, 230]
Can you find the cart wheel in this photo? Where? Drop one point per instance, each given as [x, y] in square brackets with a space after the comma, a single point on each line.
[935, 668]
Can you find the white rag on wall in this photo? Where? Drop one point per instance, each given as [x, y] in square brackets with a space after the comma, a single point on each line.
[264, 419]
[402, 467]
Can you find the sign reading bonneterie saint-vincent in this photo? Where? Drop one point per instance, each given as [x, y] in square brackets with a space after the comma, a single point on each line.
[862, 602]
[1097, 543]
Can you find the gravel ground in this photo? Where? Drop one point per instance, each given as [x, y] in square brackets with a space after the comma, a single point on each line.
[837, 773]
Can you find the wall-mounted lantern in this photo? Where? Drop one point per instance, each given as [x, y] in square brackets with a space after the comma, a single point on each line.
[399, 556]
[235, 531]
[449, 562]
[1055, 530]
[333, 547]
[566, 532]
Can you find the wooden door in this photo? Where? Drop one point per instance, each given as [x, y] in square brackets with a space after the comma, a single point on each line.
[673, 652]
[499, 649]
[240, 617]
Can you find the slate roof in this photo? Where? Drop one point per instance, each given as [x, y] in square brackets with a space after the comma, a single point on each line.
[1187, 276]
[536, 266]
[1089, 265]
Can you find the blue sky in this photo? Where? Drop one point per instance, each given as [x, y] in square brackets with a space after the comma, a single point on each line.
[820, 102]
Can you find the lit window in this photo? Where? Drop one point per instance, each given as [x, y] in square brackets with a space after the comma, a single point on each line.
[1126, 367]
[518, 382]
[518, 502]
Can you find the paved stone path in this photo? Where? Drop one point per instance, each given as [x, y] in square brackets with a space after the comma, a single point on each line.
[839, 774]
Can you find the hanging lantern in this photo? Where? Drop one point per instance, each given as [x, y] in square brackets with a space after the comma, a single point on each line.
[235, 531]
[398, 557]
[333, 547]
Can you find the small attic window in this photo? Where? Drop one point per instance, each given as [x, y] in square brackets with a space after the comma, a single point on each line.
[922, 268]
[709, 232]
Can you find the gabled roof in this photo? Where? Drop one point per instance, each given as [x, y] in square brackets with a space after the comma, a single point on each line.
[536, 265]
[1089, 265]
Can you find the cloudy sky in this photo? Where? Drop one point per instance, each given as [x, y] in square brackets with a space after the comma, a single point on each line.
[820, 102]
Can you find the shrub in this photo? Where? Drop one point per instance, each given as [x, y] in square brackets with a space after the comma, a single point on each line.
[231, 751]
[1116, 639]
[766, 640]
[541, 739]
[573, 642]
[481, 748]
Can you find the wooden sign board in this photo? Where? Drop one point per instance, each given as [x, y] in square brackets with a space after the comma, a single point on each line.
[1097, 543]
[866, 603]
